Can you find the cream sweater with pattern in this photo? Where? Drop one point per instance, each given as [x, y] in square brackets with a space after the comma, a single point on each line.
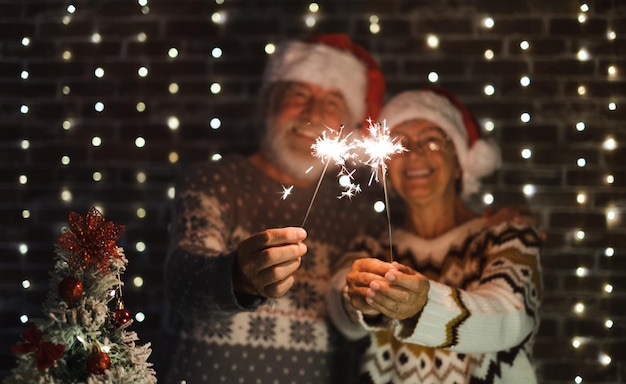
[481, 316]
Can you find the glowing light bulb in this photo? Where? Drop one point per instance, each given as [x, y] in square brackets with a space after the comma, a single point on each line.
[488, 198]
[432, 41]
[525, 117]
[488, 22]
[173, 123]
[579, 308]
[529, 190]
[433, 77]
[96, 38]
[142, 71]
[140, 246]
[215, 123]
[138, 281]
[379, 206]
[140, 142]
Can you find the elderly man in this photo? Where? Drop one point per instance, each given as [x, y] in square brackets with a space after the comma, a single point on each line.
[245, 284]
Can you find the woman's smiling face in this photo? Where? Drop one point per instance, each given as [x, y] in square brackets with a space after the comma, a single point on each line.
[429, 167]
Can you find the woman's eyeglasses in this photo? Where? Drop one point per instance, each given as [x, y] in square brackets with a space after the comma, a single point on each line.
[432, 140]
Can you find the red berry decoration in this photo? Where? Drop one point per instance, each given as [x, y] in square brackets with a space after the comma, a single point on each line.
[98, 362]
[121, 317]
[70, 289]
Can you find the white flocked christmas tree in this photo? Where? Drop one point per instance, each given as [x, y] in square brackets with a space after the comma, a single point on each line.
[83, 336]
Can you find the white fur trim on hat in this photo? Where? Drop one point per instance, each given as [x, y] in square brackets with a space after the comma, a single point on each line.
[478, 161]
[321, 65]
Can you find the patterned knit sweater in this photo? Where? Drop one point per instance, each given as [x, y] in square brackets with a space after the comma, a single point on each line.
[481, 315]
[211, 337]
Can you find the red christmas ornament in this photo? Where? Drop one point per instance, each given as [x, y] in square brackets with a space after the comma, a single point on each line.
[91, 241]
[70, 289]
[98, 362]
[121, 317]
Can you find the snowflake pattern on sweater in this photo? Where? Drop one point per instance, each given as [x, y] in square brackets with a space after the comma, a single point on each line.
[213, 337]
[484, 296]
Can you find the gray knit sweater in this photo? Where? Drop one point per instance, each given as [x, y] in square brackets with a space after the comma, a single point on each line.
[214, 338]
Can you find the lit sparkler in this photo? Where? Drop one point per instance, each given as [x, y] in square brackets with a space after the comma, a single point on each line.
[379, 146]
[327, 149]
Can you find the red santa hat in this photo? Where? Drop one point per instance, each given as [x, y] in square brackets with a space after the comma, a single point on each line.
[332, 61]
[478, 157]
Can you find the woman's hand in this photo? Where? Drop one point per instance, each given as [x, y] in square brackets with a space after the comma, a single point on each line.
[394, 290]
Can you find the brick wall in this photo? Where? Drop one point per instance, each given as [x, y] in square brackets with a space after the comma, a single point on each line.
[61, 91]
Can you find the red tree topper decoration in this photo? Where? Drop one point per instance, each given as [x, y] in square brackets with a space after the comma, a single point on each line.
[46, 353]
[91, 241]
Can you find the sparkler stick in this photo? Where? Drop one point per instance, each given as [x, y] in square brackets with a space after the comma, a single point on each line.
[327, 149]
[379, 147]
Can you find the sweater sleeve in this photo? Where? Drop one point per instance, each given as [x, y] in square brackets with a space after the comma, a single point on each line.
[497, 313]
[199, 264]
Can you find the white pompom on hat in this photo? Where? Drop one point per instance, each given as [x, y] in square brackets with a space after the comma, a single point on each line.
[478, 157]
[331, 61]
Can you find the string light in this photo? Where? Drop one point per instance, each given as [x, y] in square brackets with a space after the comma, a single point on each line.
[173, 123]
[528, 190]
[524, 45]
[215, 123]
[432, 41]
[488, 198]
[374, 25]
[489, 54]
[433, 77]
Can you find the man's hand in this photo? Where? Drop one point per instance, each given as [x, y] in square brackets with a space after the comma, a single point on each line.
[363, 273]
[266, 261]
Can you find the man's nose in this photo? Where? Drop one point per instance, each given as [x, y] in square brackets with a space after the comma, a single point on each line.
[313, 111]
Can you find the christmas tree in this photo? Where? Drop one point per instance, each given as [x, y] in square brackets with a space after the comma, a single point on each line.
[84, 336]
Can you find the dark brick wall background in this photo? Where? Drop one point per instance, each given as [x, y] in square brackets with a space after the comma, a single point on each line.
[49, 89]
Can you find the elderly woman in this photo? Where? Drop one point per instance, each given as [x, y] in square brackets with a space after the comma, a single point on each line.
[459, 303]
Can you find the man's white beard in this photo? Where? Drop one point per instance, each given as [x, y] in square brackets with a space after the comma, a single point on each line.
[274, 147]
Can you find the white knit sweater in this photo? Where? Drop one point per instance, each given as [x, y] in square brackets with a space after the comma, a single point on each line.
[481, 316]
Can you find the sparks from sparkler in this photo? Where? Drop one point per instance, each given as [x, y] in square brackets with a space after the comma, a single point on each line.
[379, 146]
[286, 192]
[345, 180]
[327, 149]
